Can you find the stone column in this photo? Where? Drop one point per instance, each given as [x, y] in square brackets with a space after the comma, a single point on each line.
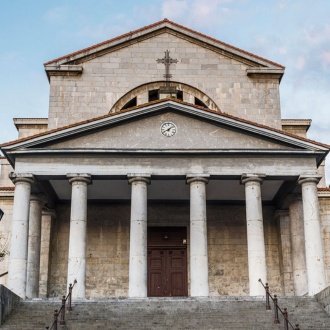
[313, 237]
[299, 273]
[138, 236]
[285, 251]
[33, 259]
[255, 233]
[19, 234]
[46, 228]
[199, 268]
[78, 228]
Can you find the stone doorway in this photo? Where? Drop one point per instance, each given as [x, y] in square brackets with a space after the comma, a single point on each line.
[167, 262]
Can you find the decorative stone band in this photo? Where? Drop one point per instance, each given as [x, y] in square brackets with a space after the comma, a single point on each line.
[138, 177]
[21, 177]
[252, 178]
[197, 178]
[75, 177]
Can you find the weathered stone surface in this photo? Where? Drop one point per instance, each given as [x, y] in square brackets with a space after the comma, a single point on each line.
[8, 302]
[106, 79]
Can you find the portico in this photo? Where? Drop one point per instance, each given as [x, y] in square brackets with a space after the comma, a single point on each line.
[194, 185]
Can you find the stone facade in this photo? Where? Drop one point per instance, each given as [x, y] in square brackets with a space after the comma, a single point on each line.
[231, 174]
[108, 78]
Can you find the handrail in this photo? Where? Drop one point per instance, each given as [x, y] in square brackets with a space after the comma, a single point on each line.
[277, 308]
[62, 309]
[3, 274]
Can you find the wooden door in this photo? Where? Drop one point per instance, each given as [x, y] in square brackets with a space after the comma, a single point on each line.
[167, 262]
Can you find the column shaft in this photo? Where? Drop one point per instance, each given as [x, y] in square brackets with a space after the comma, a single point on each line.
[283, 225]
[46, 229]
[299, 273]
[19, 234]
[313, 237]
[138, 238]
[33, 260]
[255, 235]
[199, 270]
[77, 239]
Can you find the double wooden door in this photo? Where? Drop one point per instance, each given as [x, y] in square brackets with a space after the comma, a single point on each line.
[167, 262]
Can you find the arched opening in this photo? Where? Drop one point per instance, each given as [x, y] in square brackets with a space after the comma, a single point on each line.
[150, 92]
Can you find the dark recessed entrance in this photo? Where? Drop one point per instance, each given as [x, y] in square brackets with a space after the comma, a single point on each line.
[167, 262]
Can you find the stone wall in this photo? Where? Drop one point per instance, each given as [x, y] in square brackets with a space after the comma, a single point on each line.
[6, 204]
[107, 78]
[108, 247]
[8, 301]
[324, 200]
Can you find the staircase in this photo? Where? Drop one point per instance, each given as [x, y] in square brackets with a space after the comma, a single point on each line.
[169, 313]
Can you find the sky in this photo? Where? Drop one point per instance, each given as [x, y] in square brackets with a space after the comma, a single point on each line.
[294, 33]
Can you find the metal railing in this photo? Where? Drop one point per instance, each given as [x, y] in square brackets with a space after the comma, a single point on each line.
[62, 309]
[277, 308]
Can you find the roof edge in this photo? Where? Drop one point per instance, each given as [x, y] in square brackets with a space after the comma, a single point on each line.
[148, 27]
[243, 121]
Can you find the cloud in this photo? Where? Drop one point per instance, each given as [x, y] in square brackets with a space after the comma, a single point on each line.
[196, 13]
[325, 59]
[174, 9]
[300, 63]
[56, 15]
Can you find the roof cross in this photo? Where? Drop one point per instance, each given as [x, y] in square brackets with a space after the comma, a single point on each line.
[167, 61]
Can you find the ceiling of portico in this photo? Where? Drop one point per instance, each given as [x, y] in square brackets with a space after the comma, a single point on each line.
[166, 190]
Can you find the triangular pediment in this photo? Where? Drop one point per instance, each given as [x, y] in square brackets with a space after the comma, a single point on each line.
[139, 129]
[72, 61]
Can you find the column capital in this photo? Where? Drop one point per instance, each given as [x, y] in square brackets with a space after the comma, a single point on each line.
[21, 177]
[309, 178]
[281, 213]
[250, 177]
[143, 177]
[47, 211]
[79, 177]
[190, 178]
[38, 198]
[293, 198]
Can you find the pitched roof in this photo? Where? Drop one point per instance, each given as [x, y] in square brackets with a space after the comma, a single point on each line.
[167, 23]
[159, 102]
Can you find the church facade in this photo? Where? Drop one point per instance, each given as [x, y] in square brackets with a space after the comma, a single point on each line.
[164, 169]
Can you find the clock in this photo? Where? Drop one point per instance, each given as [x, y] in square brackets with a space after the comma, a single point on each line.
[168, 129]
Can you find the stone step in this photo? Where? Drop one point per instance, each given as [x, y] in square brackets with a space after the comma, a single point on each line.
[170, 313]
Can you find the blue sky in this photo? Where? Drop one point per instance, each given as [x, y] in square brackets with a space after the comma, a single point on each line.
[294, 33]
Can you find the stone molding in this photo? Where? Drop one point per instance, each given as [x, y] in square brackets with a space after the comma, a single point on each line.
[73, 177]
[142, 177]
[190, 178]
[28, 178]
[281, 213]
[315, 178]
[247, 177]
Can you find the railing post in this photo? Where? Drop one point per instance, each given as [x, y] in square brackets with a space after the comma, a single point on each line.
[70, 294]
[267, 296]
[62, 322]
[286, 322]
[55, 319]
[276, 321]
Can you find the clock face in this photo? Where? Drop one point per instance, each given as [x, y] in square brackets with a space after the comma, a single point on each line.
[168, 129]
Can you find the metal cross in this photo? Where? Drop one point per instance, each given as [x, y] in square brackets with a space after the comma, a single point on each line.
[167, 61]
